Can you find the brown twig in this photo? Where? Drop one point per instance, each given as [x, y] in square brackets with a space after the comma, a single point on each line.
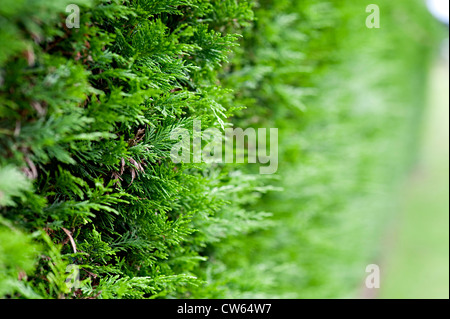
[72, 242]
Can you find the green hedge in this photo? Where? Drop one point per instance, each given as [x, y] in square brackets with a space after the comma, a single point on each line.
[86, 116]
[348, 101]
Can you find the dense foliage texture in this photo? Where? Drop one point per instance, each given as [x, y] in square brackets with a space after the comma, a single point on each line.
[86, 115]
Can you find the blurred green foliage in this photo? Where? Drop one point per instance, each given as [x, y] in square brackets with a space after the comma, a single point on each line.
[348, 101]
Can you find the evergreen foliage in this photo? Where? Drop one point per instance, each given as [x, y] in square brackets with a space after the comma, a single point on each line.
[86, 177]
[86, 115]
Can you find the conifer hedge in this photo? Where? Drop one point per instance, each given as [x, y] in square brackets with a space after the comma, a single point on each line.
[86, 116]
[87, 187]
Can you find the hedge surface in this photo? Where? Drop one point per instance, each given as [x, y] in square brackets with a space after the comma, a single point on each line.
[86, 116]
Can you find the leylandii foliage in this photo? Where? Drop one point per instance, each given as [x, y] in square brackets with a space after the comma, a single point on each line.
[86, 117]
[111, 183]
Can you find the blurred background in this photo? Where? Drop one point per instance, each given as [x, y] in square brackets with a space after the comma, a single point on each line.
[417, 263]
[363, 119]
